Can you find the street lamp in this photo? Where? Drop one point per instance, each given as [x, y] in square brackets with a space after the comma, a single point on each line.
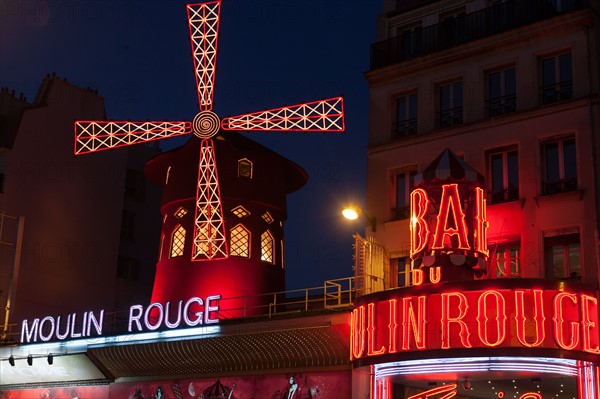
[352, 213]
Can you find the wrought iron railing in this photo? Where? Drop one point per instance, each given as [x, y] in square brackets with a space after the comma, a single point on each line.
[466, 28]
[556, 92]
[559, 186]
[405, 128]
[502, 105]
[507, 195]
[449, 117]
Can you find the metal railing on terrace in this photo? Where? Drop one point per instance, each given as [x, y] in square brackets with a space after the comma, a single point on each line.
[464, 28]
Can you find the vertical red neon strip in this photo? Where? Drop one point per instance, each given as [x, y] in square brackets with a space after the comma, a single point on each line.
[393, 326]
[559, 321]
[482, 223]
[538, 318]
[419, 229]
[417, 323]
[371, 332]
[483, 320]
[357, 332]
[450, 202]
[458, 319]
[589, 324]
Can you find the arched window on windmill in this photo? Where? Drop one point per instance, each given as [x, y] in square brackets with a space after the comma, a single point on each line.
[245, 168]
[177, 241]
[267, 247]
[239, 243]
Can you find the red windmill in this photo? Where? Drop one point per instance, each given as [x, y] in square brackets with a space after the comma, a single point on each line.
[209, 242]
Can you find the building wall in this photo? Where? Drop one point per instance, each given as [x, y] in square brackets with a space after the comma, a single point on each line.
[72, 207]
[533, 215]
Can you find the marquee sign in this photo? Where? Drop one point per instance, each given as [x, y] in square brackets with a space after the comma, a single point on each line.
[528, 314]
[194, 312]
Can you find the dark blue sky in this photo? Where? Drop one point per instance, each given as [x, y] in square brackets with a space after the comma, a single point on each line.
[271, 53]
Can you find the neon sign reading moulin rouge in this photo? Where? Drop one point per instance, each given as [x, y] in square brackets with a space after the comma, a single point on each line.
[455, 319]
[194, 312]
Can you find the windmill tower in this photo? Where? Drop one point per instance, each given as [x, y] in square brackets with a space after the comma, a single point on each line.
[214, 235]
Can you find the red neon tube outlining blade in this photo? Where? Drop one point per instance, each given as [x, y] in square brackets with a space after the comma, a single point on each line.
[203, 20]
[93, 136]
[316, 116]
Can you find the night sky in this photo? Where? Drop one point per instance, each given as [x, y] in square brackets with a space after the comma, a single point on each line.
[271, 53]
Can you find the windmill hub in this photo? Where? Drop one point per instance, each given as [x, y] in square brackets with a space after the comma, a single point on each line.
[206, 124]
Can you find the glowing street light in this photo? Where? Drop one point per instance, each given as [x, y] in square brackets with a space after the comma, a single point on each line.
[352, 214]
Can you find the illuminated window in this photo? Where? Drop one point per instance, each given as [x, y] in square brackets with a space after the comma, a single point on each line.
[502, 91]
[563, 256]
[177, 241]
[450, 104]
[240, 241]
[503, 175]
[245, 168]
[180, 212]
[505, 261]
[266, 247]
[556, 77]
[559, 166]
[406, 115]
[240, 211]
[404, 182]
[267, 217]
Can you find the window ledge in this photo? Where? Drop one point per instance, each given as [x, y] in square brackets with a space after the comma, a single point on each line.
[574, 194]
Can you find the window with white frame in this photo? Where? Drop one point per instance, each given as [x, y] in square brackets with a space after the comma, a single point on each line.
[559, 165]
[450, 104]
[563, 256]
[406, 117]
[503, 175]
[404, 181]
[505, 260]
[501, 91]
[404, 267]
[556, 75]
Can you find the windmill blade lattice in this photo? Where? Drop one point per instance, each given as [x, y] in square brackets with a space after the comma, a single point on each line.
[209, 239]
[204, 30]
[92, 136]
[318, 116]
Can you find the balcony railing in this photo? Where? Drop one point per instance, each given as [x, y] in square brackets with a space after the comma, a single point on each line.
[449, 117]
[556, 92]
[499, 18]
[502, 105]
[559, 186]
[405, 128]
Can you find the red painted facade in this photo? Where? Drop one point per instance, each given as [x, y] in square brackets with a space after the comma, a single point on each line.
[263, 190]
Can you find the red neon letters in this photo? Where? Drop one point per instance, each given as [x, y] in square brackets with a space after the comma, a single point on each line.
[452, 224]
[488, 318]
